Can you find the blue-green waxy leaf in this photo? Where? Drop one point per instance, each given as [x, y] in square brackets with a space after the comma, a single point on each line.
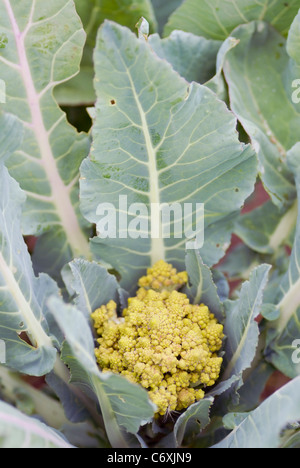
[266, 228]
[217, 83]
[193, 57]
[91, 284]
[20, 431]
[22, 295]
[44, 48]
[241, 329]
[124, 406]
[11, 135]
[201, 288]
[193, 420]
[217, 18]
[163, 10]
[285, 331]
[256, 99]
[262, 427]
[158, 140]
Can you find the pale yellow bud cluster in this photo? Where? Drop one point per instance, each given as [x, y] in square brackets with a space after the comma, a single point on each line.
[162, 342]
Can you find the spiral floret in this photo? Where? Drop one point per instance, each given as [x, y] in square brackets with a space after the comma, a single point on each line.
[162, 342]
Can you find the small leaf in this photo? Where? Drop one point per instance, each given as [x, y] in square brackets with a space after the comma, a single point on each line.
[193, 420]
[241, 329]
[201, 288]
[143, 29]
[217, 83]
[91, 284]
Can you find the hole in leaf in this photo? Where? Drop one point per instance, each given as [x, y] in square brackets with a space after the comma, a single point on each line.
[24, 337]
[78, 117]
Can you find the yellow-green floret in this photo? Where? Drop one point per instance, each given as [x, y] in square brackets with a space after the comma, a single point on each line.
[162, 342]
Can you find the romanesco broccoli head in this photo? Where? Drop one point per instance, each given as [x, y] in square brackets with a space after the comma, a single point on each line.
[162, 342]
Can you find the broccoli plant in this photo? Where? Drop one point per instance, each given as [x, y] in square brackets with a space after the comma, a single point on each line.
[149, 224]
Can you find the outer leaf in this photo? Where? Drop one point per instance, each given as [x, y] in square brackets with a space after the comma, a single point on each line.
[20, 431]
[125, 406]
[202, 288]
[22, 295]
[217, 18]
[193, 57]
[241, 329]
[92, 285]
[256, 101]
[45, 41]
[80, 89]
[222, 285]
[193, 420]
[265, 229]
[287, 300]
[159, 140]
[262, 427]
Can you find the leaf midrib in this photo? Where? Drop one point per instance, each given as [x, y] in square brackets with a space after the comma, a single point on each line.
[250, 321]
[60, 192]
[158, 251]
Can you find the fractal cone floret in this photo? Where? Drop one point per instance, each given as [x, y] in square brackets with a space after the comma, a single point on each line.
[161, 342]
